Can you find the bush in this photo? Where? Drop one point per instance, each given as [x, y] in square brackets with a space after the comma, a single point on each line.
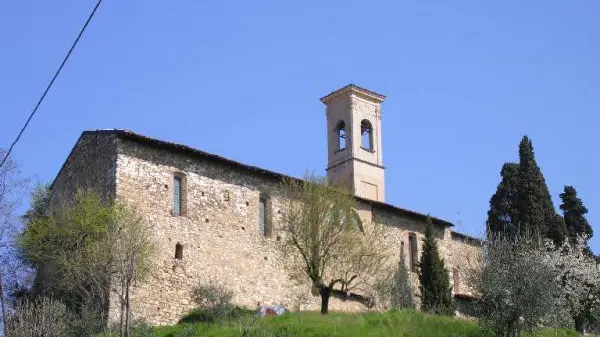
[214, 304]
[41, 317]
[211, 294]
[215, 314]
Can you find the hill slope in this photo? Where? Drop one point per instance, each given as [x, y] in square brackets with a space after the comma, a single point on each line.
[308, 324]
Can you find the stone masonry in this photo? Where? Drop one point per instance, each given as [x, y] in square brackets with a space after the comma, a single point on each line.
[219, 225]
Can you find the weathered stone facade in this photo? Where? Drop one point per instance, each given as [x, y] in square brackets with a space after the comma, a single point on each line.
[219, 224]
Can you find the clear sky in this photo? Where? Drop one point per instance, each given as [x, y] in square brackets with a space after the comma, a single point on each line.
[465, 81]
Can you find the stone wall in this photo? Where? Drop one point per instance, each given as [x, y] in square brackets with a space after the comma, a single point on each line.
[219, 229]
[220, 233]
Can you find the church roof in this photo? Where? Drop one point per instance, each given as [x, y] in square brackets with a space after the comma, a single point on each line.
[184, 149]
[126, 134]
[355, 88]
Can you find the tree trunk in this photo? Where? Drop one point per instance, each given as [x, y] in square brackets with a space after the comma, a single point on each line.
[325, 294]
[122, 316]
[127, 310]
[3, 308]
[580, 323]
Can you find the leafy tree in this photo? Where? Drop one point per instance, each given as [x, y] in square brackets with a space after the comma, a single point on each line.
[516, 285]
[536, 213]
[574, 214]
[522, 205]
[436, 294]
[503, 204]
[579, 280]
[89, 248]
[327, 240]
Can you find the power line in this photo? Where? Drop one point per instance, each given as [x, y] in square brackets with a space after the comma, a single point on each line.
[51, 82]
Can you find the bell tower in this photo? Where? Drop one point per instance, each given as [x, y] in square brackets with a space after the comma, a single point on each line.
[354, 141]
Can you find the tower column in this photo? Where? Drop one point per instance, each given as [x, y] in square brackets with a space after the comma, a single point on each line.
[354, 141]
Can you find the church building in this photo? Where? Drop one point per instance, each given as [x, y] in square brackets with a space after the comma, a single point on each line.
[214, 218]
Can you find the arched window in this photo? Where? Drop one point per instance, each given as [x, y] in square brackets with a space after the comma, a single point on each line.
[366, 135]
[340, 131]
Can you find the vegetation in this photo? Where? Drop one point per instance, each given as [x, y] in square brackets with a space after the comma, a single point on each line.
[327, 240]
[39, 317]
[397, 289]
[574, 214]
[87, 249]
[436, 294]
[516, 286]
[214, 305]
[393, 323]
[579, 280]
[522, 204]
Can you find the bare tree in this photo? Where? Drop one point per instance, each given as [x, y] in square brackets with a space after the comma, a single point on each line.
[11, 188]
[132, 248]
[42, 317]
[327, 238]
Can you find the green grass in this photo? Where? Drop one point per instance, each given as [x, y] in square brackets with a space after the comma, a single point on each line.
[309, 324]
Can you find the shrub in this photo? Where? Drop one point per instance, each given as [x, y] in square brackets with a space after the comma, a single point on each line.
[215, 314]
[211, 294]
[214, 304]
[41, 317]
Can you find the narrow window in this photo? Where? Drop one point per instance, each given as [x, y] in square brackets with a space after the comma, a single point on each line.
[456, 280]
[341, 135]
[366, 134]
[177, 196]
[178, 251]
[226, 195]
[262, 215]
[412, 242]
[402, 258]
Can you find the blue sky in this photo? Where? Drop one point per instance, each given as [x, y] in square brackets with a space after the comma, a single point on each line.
[465, 81]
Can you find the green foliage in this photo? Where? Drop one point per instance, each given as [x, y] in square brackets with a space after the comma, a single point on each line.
[536, 213]
[215, 314]
[404, 323]
[574, 214]
[503, 204]
[326, 242]
[436, 294]
[214, 304]
[83, 250]
[522, 204]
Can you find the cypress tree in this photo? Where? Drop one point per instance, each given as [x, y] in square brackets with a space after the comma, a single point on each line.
[402, 292]
[436, 295]
[535, 211]
[503, 204]
[574, 214]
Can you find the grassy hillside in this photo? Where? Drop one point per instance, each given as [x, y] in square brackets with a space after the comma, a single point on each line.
[308, 324]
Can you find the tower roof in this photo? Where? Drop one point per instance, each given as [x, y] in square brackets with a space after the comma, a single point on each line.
[353, 88]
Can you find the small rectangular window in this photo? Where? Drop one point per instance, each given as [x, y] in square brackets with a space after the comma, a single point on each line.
[413, 258]
[177, 196]
[456, 280]
[262, 216]
[178, 251]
